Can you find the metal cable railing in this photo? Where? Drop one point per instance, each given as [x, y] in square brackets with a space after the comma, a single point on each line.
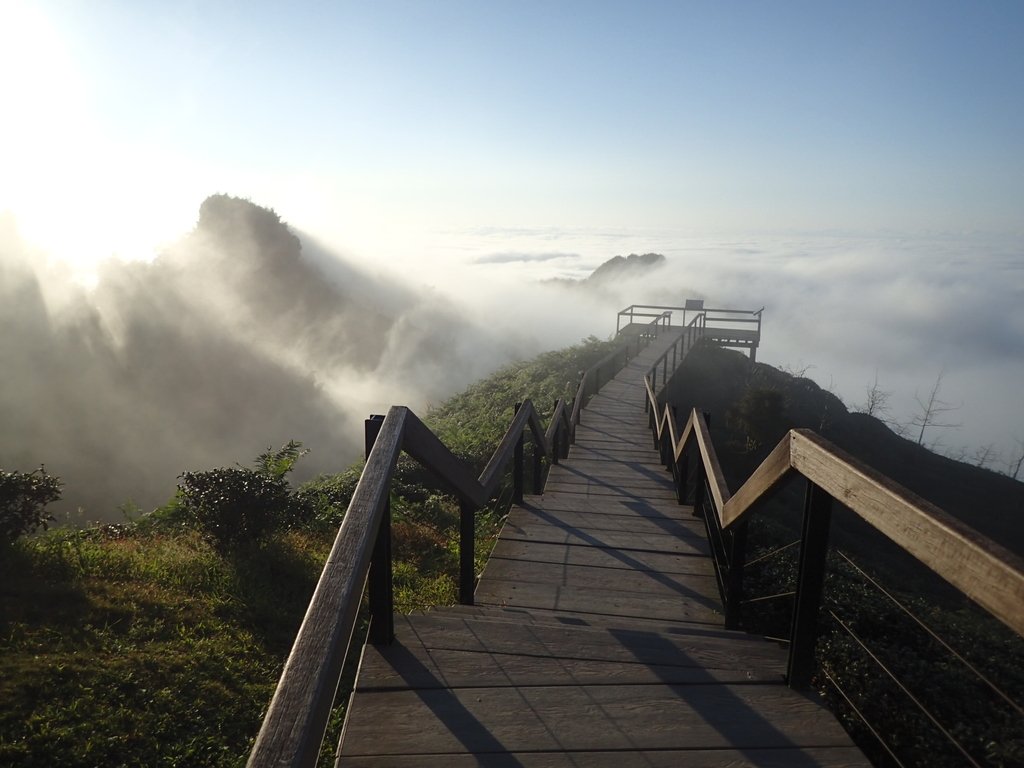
[999, 692]
[975, 566]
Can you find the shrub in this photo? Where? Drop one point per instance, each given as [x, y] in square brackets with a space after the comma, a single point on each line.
[23, 500]
[324, 500]
[233, 505]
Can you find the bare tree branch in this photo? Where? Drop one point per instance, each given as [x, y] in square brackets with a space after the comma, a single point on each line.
[877, 402]
[1016, 461]
[932, 411]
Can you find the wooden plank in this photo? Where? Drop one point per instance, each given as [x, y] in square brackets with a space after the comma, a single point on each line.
[398, 667]
[541, 552]
[627, 541]
[564, 519]
[812, 757]
[650, 470]
[661, 603]
[669, 509]
[519, 615]
[635, 489]
[582, 718]
[485, 629]
[700, 581]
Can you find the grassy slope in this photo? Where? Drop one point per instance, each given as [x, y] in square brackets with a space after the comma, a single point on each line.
[141, 644]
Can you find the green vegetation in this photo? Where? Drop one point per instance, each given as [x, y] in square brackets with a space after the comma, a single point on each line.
[23, 500]
[159, 641]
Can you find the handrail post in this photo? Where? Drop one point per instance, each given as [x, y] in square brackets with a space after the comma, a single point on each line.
[682, 475]
[380, 584]
[517, 467]
[681, 466]
[556, 437]
[698, 489]
[810, 581]
[467, 561]
[734, 584]
[538, 469]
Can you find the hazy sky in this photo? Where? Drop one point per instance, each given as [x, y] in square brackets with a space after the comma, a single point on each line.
[858, 167]
[391, 125]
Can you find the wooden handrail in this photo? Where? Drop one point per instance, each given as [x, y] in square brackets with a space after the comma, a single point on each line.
[295, 723]
[989, 574]
[297, 717]
[294, 726]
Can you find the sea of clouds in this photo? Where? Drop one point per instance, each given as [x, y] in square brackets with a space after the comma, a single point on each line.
[121, 387]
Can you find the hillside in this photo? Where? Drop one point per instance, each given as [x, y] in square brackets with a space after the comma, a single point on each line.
[752, 405]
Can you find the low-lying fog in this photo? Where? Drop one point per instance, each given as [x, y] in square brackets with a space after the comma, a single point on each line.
[239, 337]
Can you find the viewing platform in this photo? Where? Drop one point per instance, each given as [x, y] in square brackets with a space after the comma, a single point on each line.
[732, 328]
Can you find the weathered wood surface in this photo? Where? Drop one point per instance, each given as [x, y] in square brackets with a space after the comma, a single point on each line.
[597, 636]
[823, 757]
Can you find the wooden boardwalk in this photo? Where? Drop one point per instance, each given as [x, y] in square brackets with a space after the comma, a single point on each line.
[596, 640]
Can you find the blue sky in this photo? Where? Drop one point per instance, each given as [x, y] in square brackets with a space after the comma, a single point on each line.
[416, 116]
[858, 167]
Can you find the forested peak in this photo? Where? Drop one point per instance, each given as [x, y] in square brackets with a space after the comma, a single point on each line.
[237, 224]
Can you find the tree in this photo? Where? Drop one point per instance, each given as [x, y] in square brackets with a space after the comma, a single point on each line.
[933, 410]
[1017, 460]
[985, 454]
[23, 500]
[877, 402]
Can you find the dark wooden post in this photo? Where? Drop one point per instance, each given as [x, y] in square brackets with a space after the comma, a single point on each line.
[467, 562]
[381, 587]
[698, 489]
[517, 467]
[734, 584]
[538, 469]
[681, 467]
[556, 437]
[809, 583]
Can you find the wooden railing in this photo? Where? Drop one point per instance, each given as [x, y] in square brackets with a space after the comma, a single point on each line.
[981, 569]
[293, 729]
[673, 356]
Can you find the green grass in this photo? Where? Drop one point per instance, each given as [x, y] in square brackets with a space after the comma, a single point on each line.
[143, 644]
[144, 648]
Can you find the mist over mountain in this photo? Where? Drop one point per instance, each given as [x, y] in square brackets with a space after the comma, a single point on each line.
[230, 341]
[633, 267]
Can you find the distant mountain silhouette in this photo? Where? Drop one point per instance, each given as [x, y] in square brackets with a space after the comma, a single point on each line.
[616, 268]
[231, 340]
[619, 266]
[753, 405]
